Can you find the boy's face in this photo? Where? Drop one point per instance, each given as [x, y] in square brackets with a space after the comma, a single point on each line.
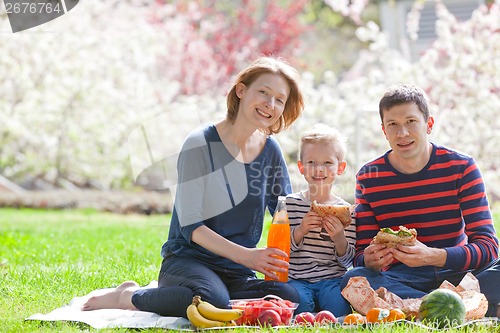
[320, 164]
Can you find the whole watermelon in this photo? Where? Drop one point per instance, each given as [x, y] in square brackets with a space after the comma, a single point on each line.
[442, 308]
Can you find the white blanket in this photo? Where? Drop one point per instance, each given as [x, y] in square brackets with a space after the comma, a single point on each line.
[113, 318]
[109, 318]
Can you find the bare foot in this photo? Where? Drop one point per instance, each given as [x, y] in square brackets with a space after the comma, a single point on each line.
[118, 298]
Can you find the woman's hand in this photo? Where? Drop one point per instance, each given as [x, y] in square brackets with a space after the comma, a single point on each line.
[378, 256]
[266, 261]
[263, 260]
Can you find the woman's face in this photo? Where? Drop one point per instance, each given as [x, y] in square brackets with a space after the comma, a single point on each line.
[262, 102]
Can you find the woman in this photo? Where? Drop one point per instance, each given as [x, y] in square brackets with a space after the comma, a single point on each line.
[228, 173]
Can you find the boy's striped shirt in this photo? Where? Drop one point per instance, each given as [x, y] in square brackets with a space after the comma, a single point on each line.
[315, 258]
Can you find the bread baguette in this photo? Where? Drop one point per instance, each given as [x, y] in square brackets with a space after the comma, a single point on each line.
[391, 238]
[342, 212]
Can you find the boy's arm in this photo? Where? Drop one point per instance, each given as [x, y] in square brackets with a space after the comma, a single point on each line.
[298, 235]
[350, 235]
[297, 209]
[295, 244]
[310, 221]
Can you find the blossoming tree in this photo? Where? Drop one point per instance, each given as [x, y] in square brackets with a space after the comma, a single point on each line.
[82, 95]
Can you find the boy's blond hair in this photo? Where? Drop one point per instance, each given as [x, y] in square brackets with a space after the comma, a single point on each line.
[321, 133]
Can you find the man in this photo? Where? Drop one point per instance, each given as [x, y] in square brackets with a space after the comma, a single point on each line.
[436, 190]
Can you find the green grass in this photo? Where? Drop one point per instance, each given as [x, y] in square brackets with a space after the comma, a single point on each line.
[49, 257]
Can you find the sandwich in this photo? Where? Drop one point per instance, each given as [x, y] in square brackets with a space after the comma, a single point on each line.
[342, 212]
[391, 238]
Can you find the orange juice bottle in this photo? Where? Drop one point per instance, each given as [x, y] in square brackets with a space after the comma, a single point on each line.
[279, 234]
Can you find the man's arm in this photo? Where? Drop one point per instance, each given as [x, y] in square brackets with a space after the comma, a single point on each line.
[482, 245]
[366, 224]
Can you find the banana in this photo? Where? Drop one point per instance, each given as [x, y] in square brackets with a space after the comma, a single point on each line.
[212, 312]
[199, 321]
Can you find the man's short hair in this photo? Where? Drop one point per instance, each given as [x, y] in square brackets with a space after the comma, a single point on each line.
[404, 94]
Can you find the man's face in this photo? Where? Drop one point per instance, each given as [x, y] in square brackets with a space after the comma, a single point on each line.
[406, 130]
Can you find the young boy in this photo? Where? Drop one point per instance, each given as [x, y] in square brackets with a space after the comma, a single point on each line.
[317, 263]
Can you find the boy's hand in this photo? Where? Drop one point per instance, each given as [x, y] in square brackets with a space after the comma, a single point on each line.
[310, 221]
[333, 227]
[335, 230]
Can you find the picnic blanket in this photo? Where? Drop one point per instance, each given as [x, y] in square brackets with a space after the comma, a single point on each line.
[112, 318]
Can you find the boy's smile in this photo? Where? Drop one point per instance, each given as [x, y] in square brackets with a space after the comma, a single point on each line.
[320, 166]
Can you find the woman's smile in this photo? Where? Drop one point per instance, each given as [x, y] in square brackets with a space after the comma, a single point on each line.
[263, 114]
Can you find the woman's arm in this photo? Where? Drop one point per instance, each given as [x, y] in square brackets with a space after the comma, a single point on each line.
[281, 184]
[350, 235]
[257, 259]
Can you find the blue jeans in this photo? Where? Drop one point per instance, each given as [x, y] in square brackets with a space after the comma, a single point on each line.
[182, 278]
[415, 282]
[322, 295]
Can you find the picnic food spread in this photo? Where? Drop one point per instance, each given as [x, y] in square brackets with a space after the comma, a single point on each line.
[205, 315]
[446, 306]
[342, 212]
[267, 311]
[279, 236]
[322, 318]
[391, 238]
[354, 319]
[442, 308]
[439, 307]
[380, 315]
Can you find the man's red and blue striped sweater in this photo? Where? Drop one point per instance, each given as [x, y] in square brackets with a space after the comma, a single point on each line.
[445, 202]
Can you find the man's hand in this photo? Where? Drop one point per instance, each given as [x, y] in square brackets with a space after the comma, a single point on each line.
[378, 256]
[419, 255]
